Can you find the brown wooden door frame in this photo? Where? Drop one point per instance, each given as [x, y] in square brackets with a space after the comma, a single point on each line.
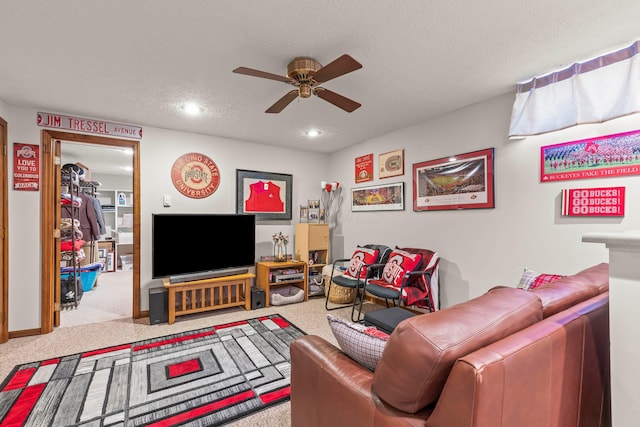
[49, 201]
[4, 231]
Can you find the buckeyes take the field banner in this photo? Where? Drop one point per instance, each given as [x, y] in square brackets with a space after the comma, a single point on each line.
[607, 201]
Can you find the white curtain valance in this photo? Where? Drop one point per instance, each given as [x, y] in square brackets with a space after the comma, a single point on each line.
[600, 89]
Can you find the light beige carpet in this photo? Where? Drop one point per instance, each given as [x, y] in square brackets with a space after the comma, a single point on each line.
[110, 299]
[310, 316]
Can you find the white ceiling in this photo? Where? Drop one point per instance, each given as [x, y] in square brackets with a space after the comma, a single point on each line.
[137, 61]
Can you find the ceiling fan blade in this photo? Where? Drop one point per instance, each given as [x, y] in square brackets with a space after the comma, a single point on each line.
[343, 65]
[338, 100]
[263, 74]
[283, 102]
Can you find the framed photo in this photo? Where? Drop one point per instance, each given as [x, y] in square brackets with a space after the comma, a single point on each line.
[314, 215]
[304, 213]
[464, 181]
[601, 157]
[391, 164]
[389, 197]
[111, 266]
[265, 194]
[364, 168]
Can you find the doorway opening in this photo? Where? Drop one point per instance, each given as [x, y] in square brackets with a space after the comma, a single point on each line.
[50, 203]
[105, 185]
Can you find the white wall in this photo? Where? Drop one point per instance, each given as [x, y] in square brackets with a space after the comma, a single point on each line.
[479, 248]
[158, 150]
[25, 257]
[485, 247]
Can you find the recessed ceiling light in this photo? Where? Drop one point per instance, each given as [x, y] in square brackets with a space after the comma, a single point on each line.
[313, 133]
[191, 108]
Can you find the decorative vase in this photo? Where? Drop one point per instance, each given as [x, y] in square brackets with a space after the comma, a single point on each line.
[280, 251]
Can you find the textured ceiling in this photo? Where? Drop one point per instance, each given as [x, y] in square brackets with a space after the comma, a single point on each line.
[137, 61]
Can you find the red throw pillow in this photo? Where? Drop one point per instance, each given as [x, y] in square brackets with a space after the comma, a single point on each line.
[361, 256]
[542, 279]
[399, 263]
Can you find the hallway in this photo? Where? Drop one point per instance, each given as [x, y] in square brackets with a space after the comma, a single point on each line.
[110, 299]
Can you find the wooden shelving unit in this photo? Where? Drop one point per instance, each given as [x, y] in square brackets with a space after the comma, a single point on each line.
[117, 206]
[264, 279]
[312, 246]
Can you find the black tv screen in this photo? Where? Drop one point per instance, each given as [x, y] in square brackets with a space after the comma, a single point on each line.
[186, 244]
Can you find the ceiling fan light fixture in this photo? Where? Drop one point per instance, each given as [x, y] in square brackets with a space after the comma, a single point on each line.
[306, 74]
[305, 90]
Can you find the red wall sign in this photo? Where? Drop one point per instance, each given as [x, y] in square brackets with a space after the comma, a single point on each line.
[364, 168]
[26, 167]
[607, 201]
[195, 175]
[80, 124]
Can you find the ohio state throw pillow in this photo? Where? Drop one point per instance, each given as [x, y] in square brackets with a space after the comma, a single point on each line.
[360, 257]
[399, 263]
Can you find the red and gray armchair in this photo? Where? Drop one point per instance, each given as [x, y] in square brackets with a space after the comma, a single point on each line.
[364, 264]
[408, 278]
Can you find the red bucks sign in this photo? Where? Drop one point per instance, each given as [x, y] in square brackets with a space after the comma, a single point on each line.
[593, 202]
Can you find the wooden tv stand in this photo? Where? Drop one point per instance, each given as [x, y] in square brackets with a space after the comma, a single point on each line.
[208, 294]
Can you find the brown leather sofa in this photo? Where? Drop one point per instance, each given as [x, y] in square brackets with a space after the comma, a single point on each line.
[510, 358]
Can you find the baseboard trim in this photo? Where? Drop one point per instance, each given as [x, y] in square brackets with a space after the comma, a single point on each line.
[25, 333]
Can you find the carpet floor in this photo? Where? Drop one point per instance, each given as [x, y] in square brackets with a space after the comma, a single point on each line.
[204, 377]
[309, 316]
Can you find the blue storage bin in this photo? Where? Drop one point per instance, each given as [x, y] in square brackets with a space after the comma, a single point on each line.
[88, 279]
[88, 274]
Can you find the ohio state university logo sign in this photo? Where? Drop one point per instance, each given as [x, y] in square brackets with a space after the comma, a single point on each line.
[195, 175]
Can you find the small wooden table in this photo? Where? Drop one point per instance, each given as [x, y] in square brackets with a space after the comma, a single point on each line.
[208, 294]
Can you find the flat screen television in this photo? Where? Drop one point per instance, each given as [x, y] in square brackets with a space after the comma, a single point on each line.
[188, 247]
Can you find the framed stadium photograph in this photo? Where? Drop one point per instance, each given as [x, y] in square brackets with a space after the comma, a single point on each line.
[388, 197]
[463, 181]
[601, 157]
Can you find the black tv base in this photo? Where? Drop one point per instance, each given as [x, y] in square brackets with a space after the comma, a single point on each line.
[180, 278]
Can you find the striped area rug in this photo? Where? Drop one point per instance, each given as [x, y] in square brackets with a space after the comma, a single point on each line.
[206, 377]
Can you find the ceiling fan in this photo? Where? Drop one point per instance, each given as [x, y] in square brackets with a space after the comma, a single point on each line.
[306, 74]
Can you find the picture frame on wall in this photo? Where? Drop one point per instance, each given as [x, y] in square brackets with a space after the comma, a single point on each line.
[386, 197]
[267, 195]
[463, 181]
[601, 157]
[364, 168]
[391, 164]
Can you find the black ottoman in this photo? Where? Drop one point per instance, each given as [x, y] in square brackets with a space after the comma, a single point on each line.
[386, 320]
